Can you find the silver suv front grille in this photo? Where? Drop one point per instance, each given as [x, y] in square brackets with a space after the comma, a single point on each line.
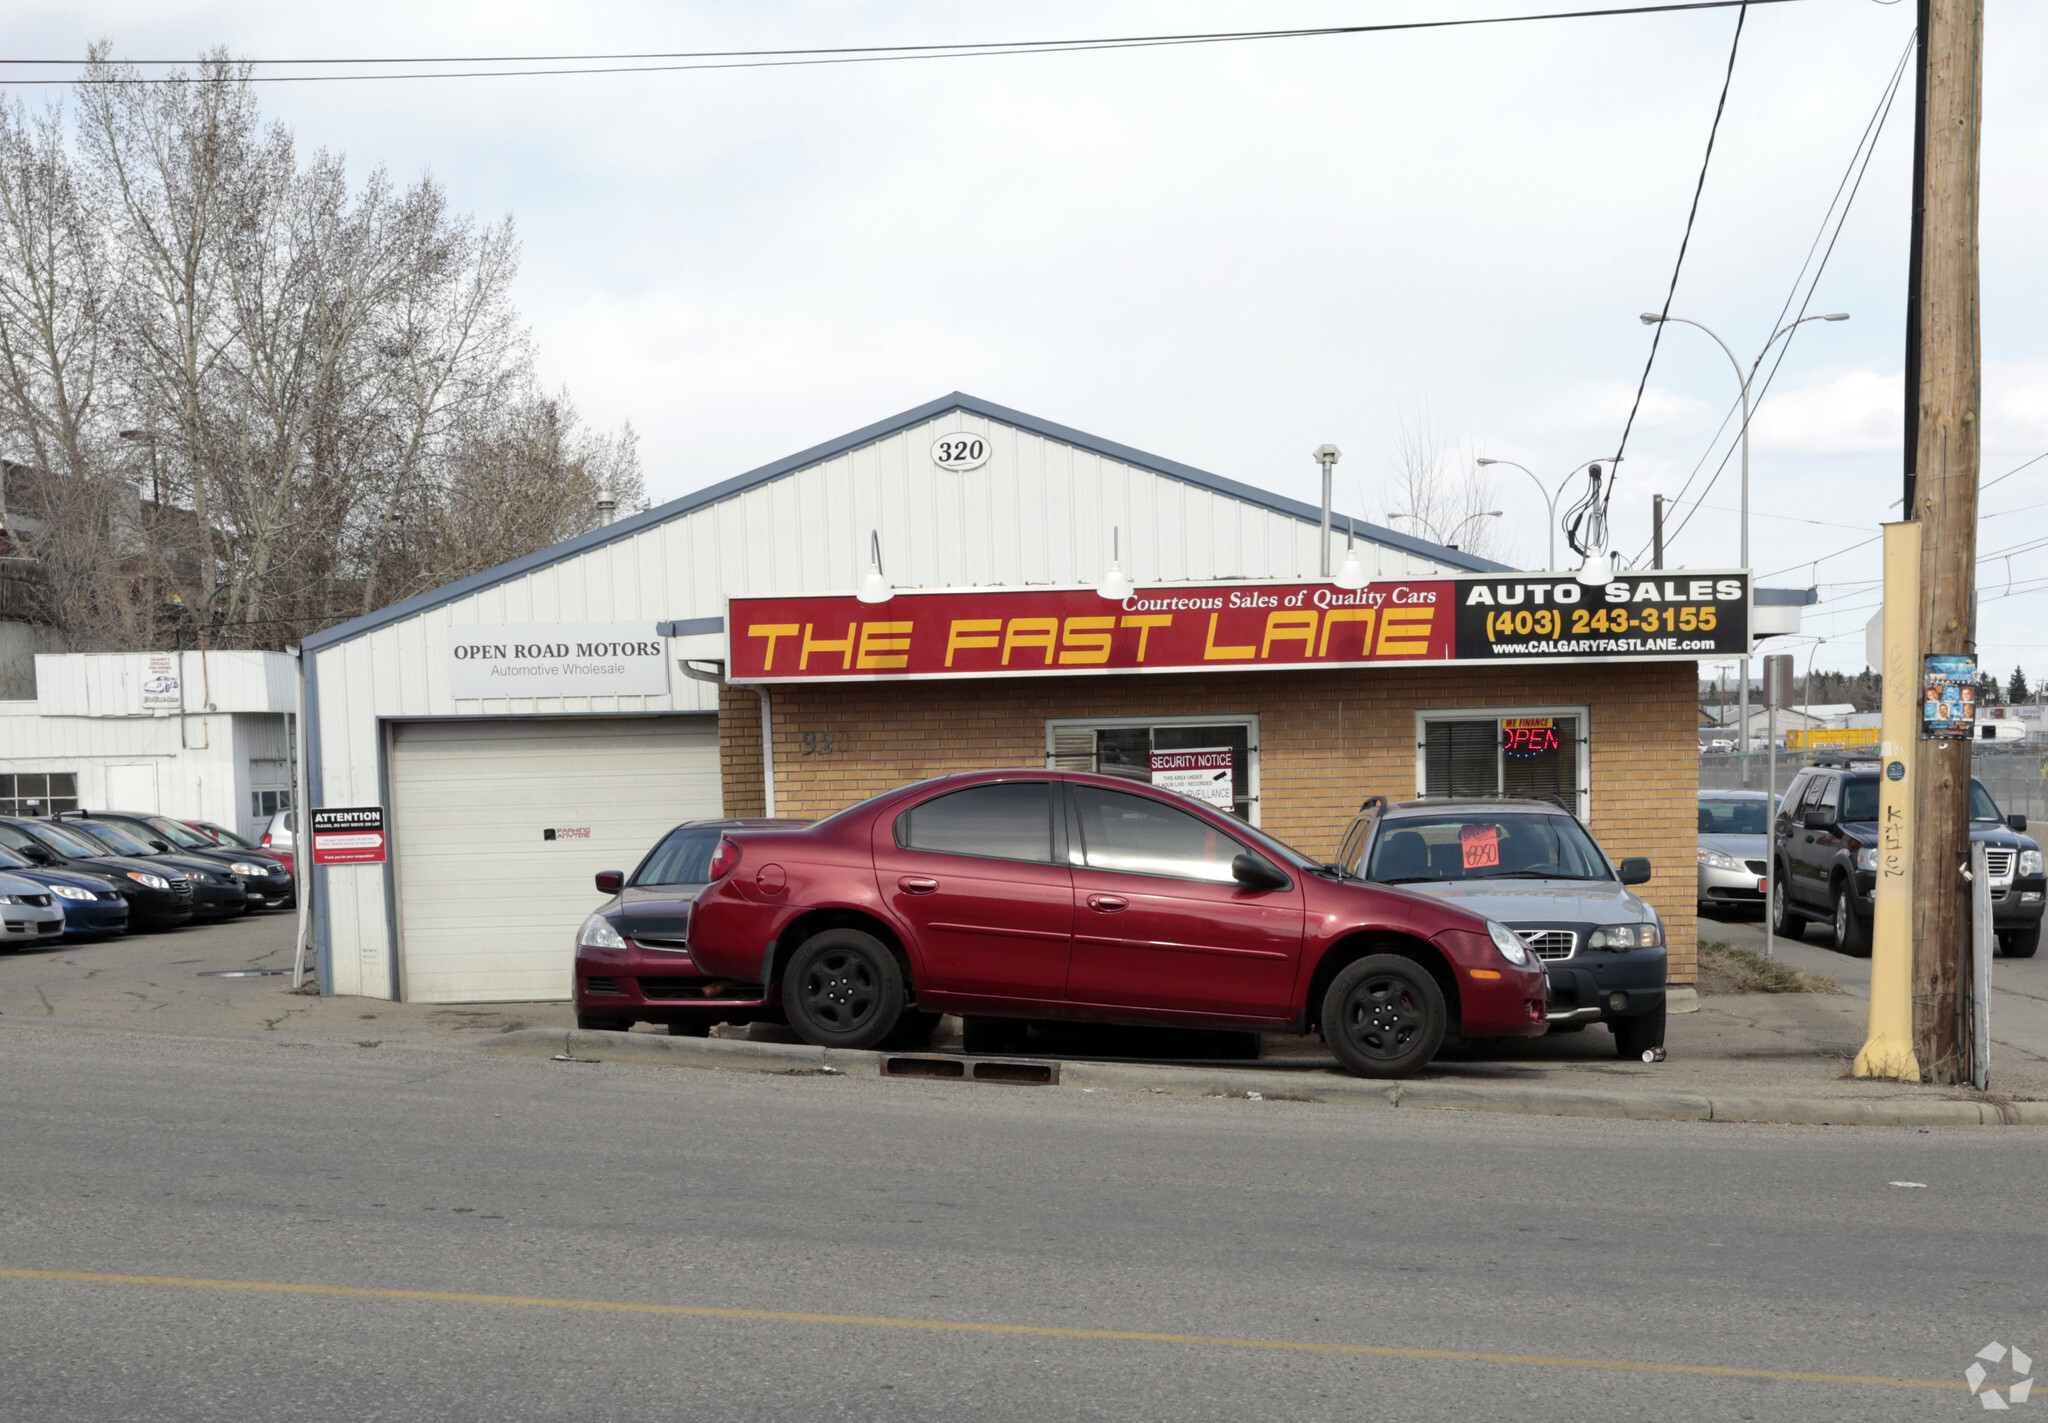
[1550, 943]
[1998, 863]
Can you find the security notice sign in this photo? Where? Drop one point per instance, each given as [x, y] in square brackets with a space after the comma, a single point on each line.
[352, 836]
[1204, 775]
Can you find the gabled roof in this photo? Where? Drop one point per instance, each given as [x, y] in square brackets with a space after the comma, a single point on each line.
[867, 435]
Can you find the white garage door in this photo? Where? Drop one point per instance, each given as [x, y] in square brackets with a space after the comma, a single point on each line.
[499, 824]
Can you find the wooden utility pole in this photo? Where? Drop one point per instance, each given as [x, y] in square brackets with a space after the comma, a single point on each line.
[1941, 492]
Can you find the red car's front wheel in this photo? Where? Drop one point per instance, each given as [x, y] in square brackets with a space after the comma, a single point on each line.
[1384, 1016]
[843, 988]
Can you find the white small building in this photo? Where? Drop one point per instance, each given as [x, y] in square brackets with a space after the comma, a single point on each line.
[196, 735]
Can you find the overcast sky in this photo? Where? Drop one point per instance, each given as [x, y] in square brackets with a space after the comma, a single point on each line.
[1224, 254]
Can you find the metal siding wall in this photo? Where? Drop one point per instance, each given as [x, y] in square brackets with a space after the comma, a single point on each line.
[1039, 511]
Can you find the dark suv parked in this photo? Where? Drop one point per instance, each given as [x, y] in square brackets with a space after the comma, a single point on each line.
[1827, 860]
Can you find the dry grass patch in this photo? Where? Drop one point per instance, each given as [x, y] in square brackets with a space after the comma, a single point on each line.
[1726, 969]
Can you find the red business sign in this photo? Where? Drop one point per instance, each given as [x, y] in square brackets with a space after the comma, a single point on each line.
[348, 835]
[1013, 632]
[1008, 633]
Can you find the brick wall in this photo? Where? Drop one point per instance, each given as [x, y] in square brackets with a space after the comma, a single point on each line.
[1328, 739]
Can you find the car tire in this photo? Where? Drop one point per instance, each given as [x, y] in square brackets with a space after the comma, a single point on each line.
[913, 1030]
[1384, 1016]
[992, 1037]
[2020, 943]
[843, 988]
[1852, 935]
[603, 1023]
[1635, 1036]
[1785, 920]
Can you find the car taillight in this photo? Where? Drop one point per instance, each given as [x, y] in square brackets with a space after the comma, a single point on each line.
[266, 839]
[723, 859]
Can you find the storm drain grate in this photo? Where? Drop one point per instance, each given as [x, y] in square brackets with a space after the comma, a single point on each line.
[937, 1067]
[243, 972]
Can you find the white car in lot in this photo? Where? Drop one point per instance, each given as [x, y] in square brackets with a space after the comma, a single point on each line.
[28, 912]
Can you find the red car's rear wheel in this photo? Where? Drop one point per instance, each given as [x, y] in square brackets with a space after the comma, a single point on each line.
[843, 988]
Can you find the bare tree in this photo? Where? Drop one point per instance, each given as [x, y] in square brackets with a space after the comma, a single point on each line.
[247, 397]
[1437, 490]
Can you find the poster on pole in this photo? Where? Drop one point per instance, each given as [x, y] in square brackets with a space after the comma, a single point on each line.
[1948, 698]
[1207, 775]
[352, 835]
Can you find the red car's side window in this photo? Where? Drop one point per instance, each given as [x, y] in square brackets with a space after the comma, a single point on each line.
[1011, 820]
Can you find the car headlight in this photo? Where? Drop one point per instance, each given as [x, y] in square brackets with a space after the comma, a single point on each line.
[2030, 863]
[1866, 858]
[10, 899]
[71, 891]
[149, 881]
[1626, 936]
[243, 868]
[1717, 860]
[598, 933]
[1508, 942]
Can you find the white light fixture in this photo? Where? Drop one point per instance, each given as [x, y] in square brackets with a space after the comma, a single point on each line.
[1598, 568]
[875, 588]
[1116, 585]
[1350, 577]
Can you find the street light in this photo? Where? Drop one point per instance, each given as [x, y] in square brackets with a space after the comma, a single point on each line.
[1651, 318]
[1549, 500]
[1430, 529]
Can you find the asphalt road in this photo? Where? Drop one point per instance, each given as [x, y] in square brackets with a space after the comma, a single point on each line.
[1307, 1260]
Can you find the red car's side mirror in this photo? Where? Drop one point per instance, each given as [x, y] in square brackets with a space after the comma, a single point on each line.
[610, 881]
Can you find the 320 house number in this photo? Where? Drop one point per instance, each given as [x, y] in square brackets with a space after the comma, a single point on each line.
[960, 452]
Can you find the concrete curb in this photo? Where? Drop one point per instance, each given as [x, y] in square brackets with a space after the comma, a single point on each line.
[739, 1055]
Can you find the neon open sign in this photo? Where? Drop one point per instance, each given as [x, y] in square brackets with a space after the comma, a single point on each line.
[1527, 736]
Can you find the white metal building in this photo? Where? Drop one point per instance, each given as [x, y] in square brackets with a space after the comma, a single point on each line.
[197, 735]
[501, 807]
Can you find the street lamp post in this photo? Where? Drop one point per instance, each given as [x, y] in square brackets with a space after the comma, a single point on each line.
[1651, 318]
[1430, 528]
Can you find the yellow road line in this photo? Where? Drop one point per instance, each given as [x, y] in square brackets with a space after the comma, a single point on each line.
[952, 1326]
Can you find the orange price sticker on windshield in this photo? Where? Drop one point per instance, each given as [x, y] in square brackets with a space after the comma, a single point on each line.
[1481, 844]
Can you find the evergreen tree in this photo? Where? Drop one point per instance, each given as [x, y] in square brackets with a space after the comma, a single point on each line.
[2017, 690]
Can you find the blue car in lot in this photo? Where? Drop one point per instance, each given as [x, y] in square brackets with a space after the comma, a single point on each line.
[93, 905]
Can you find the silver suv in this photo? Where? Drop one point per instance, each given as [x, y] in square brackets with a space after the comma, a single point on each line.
[1529, 864]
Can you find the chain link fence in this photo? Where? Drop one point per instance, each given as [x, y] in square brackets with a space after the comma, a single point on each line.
[2016, 774]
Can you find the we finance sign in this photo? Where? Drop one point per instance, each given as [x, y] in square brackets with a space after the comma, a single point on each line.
[994, 632]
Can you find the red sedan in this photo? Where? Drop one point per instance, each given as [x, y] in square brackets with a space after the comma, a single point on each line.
[1012, 896]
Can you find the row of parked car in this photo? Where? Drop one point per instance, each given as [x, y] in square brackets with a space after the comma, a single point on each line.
[1821, 866]
[1031, 896]
[87, 874]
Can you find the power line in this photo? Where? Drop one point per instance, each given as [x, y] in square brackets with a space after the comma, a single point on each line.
[1706, 160]
[1875, 537]
[850, 54]
[1859, 164]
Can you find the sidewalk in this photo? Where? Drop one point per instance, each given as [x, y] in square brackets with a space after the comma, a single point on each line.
[1735, 1049]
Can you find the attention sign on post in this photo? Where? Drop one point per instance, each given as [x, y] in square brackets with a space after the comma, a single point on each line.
[350, 836]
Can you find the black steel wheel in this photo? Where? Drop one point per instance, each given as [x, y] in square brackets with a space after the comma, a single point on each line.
[1384, 1016]
[992, 1037]
[1635, 1036]
[1852, 935]
[1785, 921]
[843, 988]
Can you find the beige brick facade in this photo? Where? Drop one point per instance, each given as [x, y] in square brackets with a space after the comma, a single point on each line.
[1328, 739]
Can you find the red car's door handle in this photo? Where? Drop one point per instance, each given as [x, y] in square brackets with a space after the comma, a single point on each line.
[1108, 903]
[917, 884]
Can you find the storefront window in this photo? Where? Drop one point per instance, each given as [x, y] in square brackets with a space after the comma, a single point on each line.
[38, 792]
[1538, 751]
[1211, 759]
